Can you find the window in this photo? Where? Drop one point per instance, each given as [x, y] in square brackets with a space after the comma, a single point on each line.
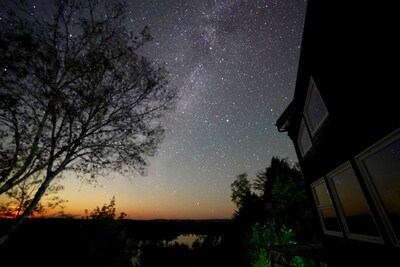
[304, 139]
[353, 208]
[327, 213]
[314, 115]
[380, 166]
[315, 111]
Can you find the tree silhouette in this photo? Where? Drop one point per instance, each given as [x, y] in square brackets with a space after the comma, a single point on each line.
[249, 205]
[75, 94]
[274, 209]
[286, 198]
[241, 190]
[107, 241]
[106, 212]
[21, 196]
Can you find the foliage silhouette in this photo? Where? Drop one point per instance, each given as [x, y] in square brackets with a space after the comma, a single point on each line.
[249, 205]
[275, 209]
[107, 211]
[108, 243]
[21, 195]
[261, 238]
[287, 199]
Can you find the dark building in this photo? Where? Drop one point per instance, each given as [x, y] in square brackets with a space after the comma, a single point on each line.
[344, 121]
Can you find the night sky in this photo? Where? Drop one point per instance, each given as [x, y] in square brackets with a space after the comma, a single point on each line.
[235, 64]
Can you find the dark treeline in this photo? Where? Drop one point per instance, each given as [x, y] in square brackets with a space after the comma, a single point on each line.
[88, 242]
[149, 229]
[273, 208]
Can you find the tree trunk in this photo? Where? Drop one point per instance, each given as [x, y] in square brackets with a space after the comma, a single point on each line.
[29, 209]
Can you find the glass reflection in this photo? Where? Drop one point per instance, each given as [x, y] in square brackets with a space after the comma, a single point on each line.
[383, 168]
[353, 203]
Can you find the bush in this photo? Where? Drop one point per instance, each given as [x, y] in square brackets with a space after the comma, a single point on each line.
[261, 238]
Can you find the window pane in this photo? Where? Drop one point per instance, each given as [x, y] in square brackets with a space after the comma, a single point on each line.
[316, 109]
[324, 204]
[330, 219]
[322, 193]
[355, 208]
[383, 168]
[305, 141]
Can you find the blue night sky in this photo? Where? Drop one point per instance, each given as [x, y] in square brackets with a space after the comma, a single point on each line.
[234, 63]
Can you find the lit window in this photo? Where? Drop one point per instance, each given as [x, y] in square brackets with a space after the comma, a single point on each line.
[327, 213]
[353, 207]
[315, 111]
[380, 166]
[304, 139]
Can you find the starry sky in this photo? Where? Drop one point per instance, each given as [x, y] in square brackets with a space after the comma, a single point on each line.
[234, 63]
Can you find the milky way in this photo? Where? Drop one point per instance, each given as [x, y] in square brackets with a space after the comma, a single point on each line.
[234, 63]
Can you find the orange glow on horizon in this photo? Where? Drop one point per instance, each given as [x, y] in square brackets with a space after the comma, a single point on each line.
[144, 214]
[141, 200]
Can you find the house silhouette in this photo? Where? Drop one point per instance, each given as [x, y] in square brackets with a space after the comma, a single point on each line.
[344, 121]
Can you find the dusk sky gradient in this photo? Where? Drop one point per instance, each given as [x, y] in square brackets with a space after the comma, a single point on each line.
[234, 63]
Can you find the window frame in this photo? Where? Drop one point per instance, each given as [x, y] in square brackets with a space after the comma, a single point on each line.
[321, 207]
[350, 235]
[373, 149]
[312, 131]
[303, 127]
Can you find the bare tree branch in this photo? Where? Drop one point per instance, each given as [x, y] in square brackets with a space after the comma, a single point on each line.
[75, 94]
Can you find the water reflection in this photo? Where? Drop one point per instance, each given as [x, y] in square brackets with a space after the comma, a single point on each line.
[189, 239]
[192, 241]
